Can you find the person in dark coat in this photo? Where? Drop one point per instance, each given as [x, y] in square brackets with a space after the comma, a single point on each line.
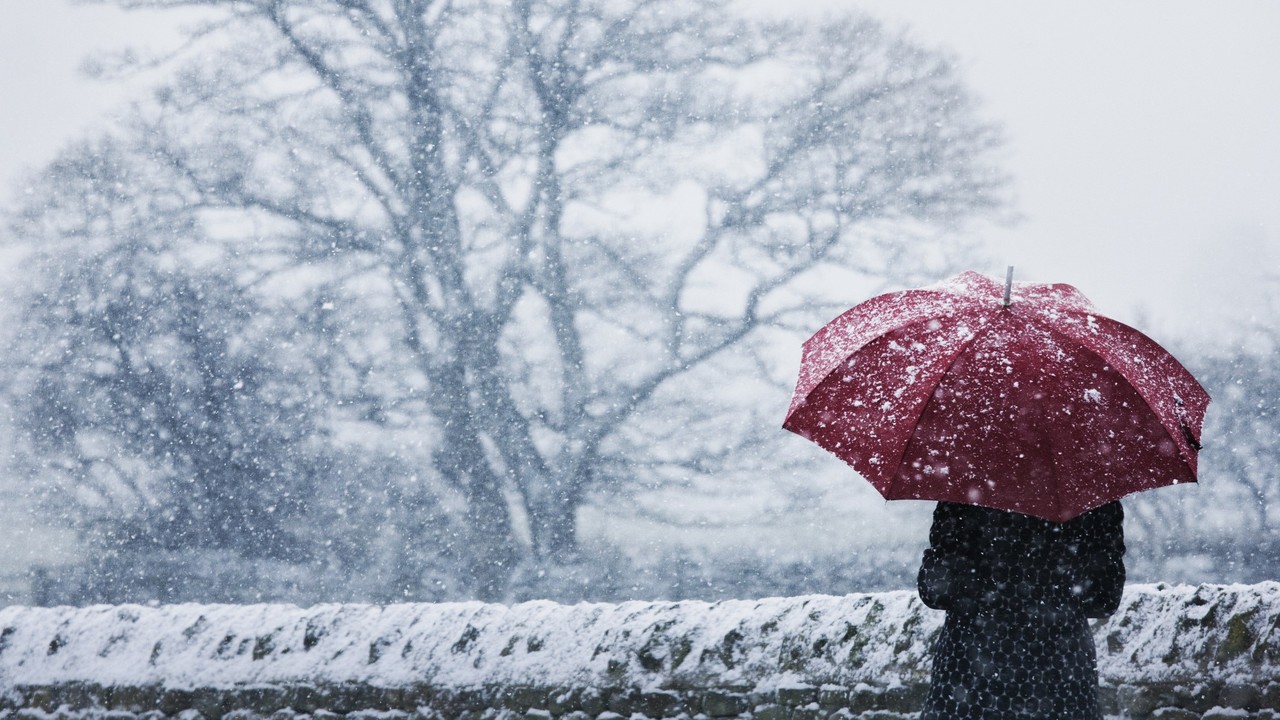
[1018, 591]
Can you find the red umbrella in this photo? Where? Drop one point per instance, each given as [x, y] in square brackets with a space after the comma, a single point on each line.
[1027, 401]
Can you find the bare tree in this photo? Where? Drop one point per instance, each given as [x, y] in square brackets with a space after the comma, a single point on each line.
[1237, 495]
[181, 422]
[550, 228]
[142, 375]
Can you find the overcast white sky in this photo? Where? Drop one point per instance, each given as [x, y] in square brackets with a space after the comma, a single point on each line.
[1144, 141]
[1142, 135]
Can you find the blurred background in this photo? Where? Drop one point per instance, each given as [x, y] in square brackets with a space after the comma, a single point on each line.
[315, 300]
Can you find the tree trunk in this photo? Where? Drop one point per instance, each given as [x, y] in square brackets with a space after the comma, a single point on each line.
[556, 533]
[461, 460]
[554, 522]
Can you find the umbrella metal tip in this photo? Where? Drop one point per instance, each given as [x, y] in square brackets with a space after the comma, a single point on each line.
[1008, 286]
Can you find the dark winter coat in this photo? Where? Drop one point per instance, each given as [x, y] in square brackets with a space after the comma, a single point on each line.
[1017, 591]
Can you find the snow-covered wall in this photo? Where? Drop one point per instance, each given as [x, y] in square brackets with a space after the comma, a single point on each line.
[1185, 648]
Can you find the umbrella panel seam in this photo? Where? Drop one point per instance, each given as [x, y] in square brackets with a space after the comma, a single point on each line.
[827, 374]
[897, 475]
[1136, 388]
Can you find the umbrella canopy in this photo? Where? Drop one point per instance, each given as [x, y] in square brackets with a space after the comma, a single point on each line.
[1037, 405]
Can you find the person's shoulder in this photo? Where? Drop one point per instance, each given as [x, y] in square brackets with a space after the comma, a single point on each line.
[972, 513]
[1111, 510]
[960, 509]
[1110, 513]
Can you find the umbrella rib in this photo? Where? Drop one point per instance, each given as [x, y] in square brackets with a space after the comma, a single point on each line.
[1137, 390]
[870, 339]
[1053, 469]
[893, 483]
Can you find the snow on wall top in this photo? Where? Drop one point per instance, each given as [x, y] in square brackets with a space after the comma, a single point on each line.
[1160, 633]
[464, 644]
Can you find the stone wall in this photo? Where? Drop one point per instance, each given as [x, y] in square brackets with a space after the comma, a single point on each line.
[1170, 652]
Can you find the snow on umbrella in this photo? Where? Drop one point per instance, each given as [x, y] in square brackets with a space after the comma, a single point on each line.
[1028, 401]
